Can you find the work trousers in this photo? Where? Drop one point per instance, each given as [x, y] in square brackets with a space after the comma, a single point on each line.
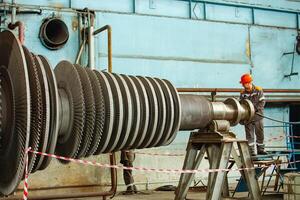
[127, 158]
[127, 174]
[257, 128]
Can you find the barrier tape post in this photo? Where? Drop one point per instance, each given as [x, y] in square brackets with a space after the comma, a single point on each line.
[25, 192]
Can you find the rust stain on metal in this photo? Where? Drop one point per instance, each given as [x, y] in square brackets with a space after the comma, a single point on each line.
[75, 24]
[248, 49]
[57, 5]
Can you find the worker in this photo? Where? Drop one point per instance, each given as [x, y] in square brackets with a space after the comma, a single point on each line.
[256, 96]
[127, 158]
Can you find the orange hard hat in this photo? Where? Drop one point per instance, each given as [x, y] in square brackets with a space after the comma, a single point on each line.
[246, 78]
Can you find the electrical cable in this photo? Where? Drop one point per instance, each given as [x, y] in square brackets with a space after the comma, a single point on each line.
[276, 120]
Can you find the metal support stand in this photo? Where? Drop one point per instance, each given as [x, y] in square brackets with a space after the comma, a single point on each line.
[218, 147]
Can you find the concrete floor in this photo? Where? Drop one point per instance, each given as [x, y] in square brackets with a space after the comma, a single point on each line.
[151, 195]
[158, 195]
[142, 195]
[194, 194]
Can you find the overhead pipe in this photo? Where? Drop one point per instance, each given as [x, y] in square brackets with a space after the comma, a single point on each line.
[12, 25]
[13, 11]
[21, 28]
[235, 90]
[91, 42]
[80, 51]
[35, 11]
[109, 41]
[82, 37]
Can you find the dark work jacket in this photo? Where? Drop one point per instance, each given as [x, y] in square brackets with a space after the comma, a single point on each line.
[257, 98]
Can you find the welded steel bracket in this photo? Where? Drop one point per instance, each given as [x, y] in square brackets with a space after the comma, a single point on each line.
[218, 147]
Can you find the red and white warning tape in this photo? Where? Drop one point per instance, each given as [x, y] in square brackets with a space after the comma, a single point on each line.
[25, 192]
[159, 154]
[93, 163]
[178, 171]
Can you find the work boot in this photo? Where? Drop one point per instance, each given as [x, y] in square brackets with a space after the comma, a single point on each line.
[252, 150]
[261, 150]
[135, 189]
[129, 190]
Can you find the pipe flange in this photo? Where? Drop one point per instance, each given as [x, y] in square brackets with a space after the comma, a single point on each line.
[54, 33]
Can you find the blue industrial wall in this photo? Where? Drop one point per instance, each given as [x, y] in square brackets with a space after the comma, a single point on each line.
[160, 39]
[193, 44]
